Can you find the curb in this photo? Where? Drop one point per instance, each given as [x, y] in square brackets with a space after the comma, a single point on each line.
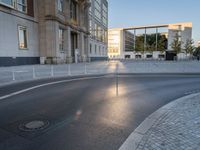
[135, 138]
[105, 74]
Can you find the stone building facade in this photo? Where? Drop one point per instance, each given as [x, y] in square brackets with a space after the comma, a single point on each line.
[63, 30]
[43, 31]
[198, 44]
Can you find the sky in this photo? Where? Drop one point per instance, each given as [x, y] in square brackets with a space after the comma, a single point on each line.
[125, 13]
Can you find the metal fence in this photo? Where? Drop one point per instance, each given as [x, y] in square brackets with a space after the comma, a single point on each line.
[23, 73]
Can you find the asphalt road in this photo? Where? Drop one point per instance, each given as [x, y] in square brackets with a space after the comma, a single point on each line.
[86, 114]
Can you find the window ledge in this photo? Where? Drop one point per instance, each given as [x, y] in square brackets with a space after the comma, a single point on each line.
[24, 49]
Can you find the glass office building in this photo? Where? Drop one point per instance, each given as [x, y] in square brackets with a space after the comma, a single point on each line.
[98, 30]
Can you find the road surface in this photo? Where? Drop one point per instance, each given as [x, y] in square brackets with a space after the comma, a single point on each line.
[86, 114]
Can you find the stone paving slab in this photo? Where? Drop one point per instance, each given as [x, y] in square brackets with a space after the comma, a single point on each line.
[175, 126]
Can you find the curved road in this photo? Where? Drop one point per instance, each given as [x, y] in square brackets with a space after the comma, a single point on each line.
[86, 114]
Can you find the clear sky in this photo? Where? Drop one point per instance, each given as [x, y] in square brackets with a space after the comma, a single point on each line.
[124, 13]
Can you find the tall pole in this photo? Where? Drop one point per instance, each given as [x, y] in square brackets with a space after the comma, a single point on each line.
[145, 39]
[117, 80]
[134, 39]
[156, 39]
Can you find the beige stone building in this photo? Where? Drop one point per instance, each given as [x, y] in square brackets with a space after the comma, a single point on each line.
[63, 30]
[198, 44]
[43, 31]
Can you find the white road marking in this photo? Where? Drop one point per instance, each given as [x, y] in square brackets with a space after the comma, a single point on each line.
[47, 84]
[20, 71]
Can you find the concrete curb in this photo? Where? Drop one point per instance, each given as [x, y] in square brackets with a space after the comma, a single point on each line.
[135, 138]
[85, 75]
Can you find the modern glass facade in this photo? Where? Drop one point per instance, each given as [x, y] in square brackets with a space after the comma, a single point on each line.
[98, 29]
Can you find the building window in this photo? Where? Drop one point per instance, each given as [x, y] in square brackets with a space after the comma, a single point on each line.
[61, 39]
[22, 31]
[95, 49]
[99, 50]
[22, 5]
[60, 5]
[73, 10]
[90, 48]
[9, 3]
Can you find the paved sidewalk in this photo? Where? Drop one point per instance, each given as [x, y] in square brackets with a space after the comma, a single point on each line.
[175, 126]
[9, 75]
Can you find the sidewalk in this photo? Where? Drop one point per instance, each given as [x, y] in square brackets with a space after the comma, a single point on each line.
[175, 126]
[9, 75]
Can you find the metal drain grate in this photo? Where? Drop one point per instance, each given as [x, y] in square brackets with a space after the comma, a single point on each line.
[34, 125]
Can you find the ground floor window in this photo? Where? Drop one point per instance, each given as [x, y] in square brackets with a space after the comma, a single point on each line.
[90, 48]
[149, 56]
[22, 33]
[61, 39]
[161, 56]
[95, 49]
[138, 56]
[127, 56]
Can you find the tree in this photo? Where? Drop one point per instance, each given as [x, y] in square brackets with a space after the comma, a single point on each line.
[162, 43]
[176, 44]
[151, 43]
[139, 44]
[189, 47]
[196, 52]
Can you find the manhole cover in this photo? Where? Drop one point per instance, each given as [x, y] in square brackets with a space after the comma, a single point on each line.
[34, 125]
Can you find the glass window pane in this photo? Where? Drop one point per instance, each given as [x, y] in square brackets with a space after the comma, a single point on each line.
[22, 37]
[7, 2]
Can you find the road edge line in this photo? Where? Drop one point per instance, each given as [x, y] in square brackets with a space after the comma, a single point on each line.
[47, 84]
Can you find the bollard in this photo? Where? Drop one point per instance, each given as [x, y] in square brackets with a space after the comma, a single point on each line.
[34, 76]
[85, 69]
[52, 71]
[69, 70]
[13, 75]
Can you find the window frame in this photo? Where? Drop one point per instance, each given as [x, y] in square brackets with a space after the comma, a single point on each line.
[17, 4]
[24, 28]
[73, 11]
[60, 8]
[63, 39]
[7, 5]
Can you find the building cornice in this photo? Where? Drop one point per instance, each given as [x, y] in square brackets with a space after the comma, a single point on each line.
[18, 14]
[66, 23]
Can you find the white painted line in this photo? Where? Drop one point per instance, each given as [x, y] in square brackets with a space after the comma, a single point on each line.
[21, 71]
[47, 84]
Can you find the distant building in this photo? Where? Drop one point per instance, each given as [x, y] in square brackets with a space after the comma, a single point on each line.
[98, 30]
[38, 31]
[198, 43]
[122, 43]
[115, 44]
